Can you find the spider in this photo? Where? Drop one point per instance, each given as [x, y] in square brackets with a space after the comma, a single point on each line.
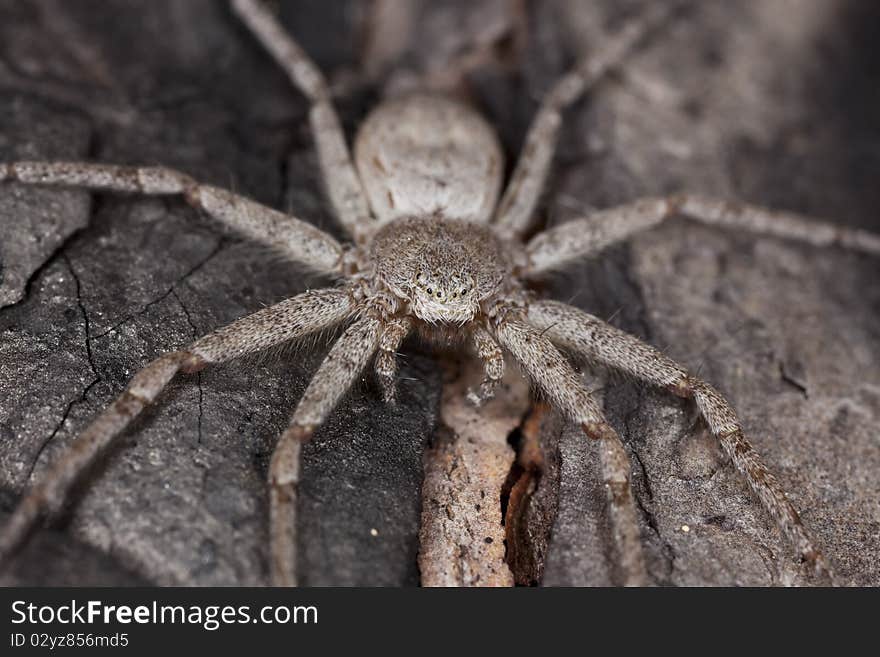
[434, 251]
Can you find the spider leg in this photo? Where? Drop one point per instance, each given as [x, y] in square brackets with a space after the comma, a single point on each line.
[594, 339]
[490, 353]
[393, 335]
[556, 378]
[287, 320]
[584, 237]
[297, 240]
[516, 209]
[343, 184]
[343, 364]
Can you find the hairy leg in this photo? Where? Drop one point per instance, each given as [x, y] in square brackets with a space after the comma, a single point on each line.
[584, 237]
[560, 383]
[340, 368]
[489, 351]
[343, 184]
[515, 212]
[296, 239]
[604, 344]
[284, 321]
[393, 335]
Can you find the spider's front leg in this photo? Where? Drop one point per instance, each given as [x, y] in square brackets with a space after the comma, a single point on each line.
[341, 367]
[556, 378]
[592, 338]
[288, 320]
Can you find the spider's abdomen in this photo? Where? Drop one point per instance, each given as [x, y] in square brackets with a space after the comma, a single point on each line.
[427, 154]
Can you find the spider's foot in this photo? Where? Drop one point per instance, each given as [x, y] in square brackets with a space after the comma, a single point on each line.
[21, 524]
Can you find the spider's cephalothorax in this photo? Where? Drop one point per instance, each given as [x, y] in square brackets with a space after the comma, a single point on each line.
[442, 270]
[432, 249]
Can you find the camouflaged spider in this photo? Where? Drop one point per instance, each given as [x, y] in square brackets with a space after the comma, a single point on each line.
[432, 251]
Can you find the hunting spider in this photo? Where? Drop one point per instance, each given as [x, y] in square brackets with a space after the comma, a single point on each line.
[432, 251]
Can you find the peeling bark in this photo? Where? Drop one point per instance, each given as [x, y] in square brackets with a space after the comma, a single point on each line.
[462, 540]
[745, 100]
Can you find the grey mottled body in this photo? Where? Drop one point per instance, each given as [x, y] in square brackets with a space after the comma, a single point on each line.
[432, 250]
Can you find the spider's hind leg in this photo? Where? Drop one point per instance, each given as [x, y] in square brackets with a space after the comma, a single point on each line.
[344, 188]
[515, 211]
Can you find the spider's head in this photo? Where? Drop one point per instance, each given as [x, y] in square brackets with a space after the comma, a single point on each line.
[443, 269]
[444, 295]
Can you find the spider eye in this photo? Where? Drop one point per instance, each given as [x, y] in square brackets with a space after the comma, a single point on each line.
[464, 291]
[439, 294]
[430, 290]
